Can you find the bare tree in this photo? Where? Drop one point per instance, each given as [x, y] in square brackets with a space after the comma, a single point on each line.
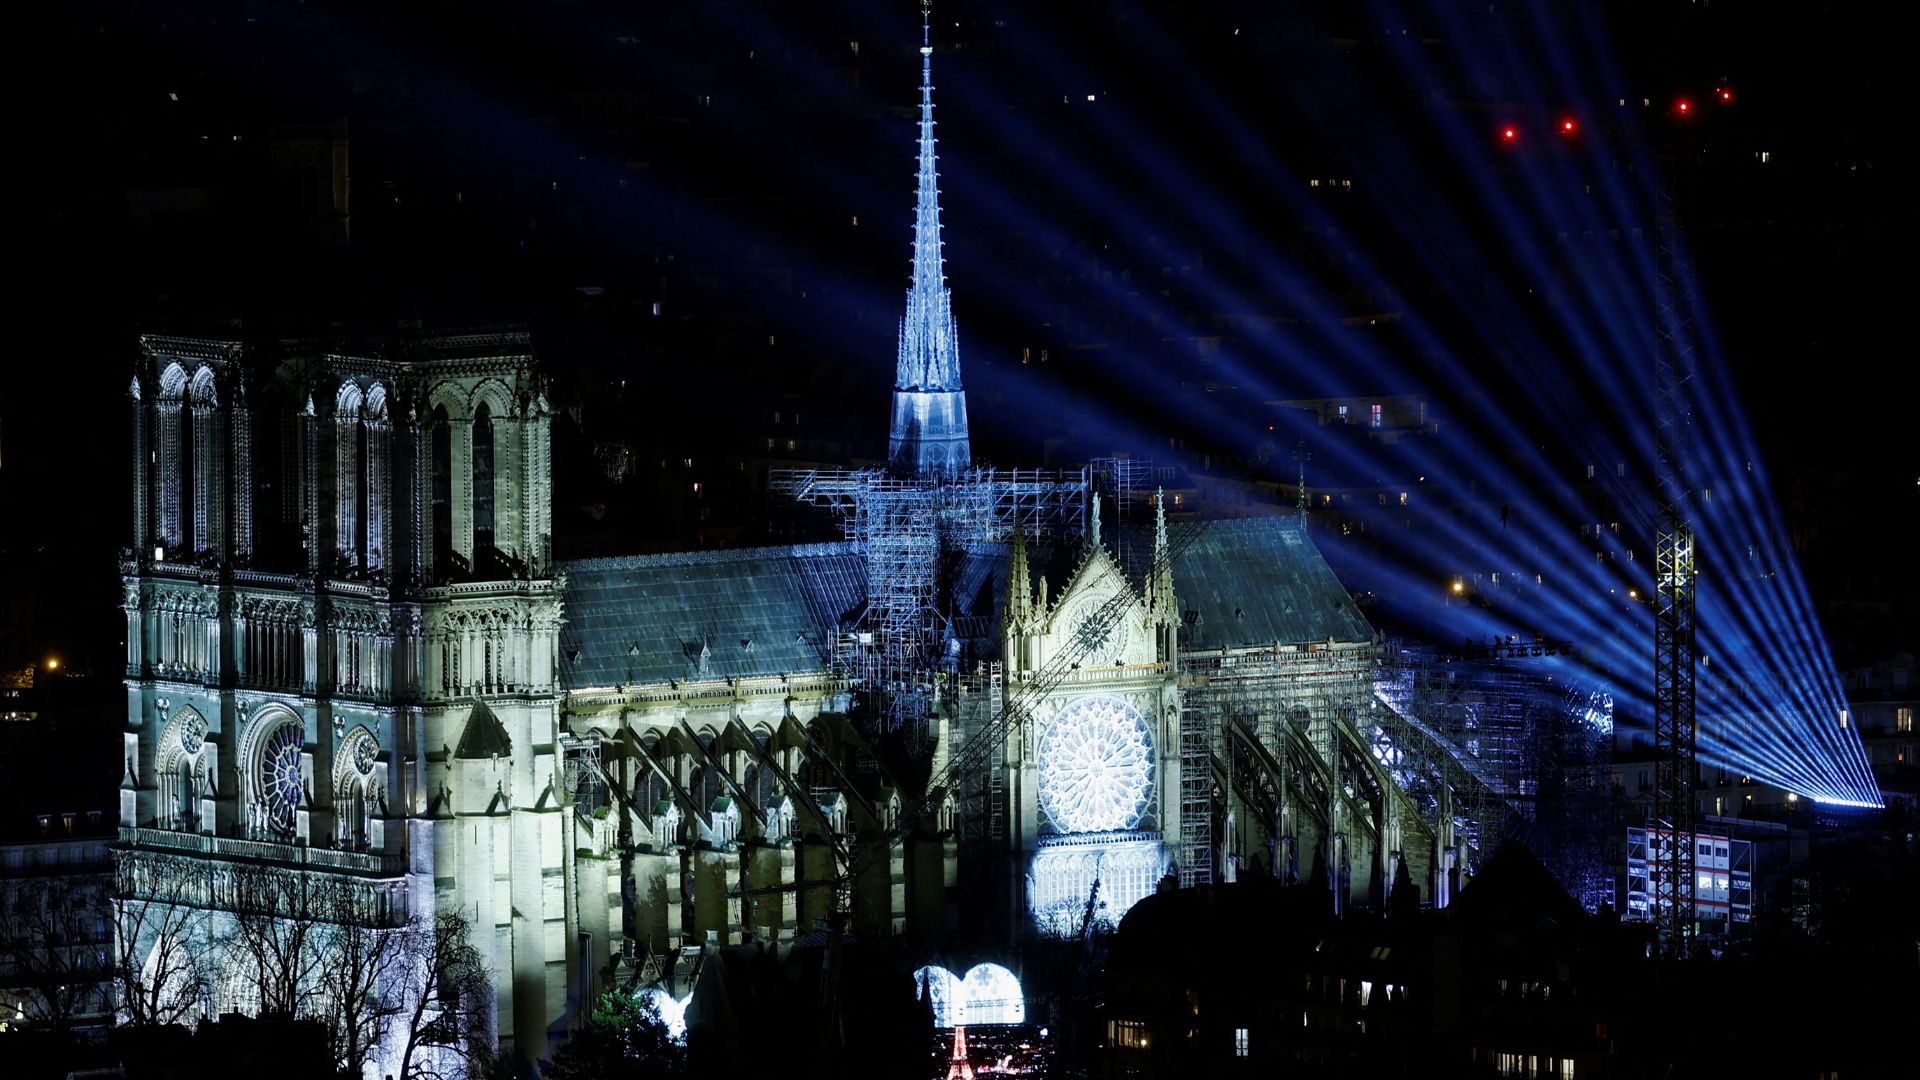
[360, 979]
[449, 1002]
[162, 965]
[52, 936]
[278, 938]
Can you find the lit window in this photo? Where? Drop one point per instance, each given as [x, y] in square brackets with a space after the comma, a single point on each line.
[1903, 718]
[1127, 1034]
[1403, 498]
[1239, 1042]
[1374, 412]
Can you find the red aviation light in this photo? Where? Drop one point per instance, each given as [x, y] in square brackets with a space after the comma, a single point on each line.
[1683, 106]
[1509, 133]
[1567, 126]
[1726, 95]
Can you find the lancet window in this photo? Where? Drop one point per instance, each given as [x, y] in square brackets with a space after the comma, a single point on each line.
[482, 478]
[440, 468]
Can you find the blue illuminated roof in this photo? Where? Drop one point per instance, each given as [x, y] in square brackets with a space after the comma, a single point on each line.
[750, 611]
[1261, 581]
[769, 611]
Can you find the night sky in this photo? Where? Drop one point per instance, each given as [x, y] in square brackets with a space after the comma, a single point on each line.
[748, 167]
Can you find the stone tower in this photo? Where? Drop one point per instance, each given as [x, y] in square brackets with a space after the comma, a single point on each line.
[340, 637]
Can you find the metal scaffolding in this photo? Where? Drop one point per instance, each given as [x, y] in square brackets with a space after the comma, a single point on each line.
[906, 525]
[1269, 725]
[1492, 747]
[1674, 732]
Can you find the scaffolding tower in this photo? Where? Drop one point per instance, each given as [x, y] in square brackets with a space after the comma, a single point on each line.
[1674, 732]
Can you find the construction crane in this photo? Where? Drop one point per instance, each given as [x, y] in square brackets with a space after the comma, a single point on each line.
[1674, 656]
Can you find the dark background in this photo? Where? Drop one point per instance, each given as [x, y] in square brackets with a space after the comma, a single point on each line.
[749, 169]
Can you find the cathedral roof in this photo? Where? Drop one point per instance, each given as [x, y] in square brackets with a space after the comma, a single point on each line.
[1241, 583]
[1260, 581]
[707, 614]
[774, 610]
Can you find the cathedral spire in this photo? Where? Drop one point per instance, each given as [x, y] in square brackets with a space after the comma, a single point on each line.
[929, 435]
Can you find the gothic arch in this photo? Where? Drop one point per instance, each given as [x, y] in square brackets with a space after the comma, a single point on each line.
[204, 390]
[180, 768]
[171, 487]
[375, 407]
[355, 796]
[447, 396]
[273, 807]
[347, 400]
[496, 396]
[173, 383]
[486, 452]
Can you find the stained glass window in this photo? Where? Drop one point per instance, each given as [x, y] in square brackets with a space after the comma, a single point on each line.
[1096, 766]
[280, 777]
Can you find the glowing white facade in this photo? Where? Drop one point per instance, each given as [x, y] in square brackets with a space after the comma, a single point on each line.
[989, 994]
[1128, 867]
[1095, 781]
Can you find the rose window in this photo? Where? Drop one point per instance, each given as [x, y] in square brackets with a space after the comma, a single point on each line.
[1096, 766]
[365, 753]
[280, 777]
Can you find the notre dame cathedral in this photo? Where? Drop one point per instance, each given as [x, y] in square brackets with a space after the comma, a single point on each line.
[352, 658]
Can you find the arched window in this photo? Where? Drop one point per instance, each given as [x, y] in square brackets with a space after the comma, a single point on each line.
[482, 478]
[183, 482]
[187, 813]
[350, 474]
[279, 780]
[440, 438]
[172, 471]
